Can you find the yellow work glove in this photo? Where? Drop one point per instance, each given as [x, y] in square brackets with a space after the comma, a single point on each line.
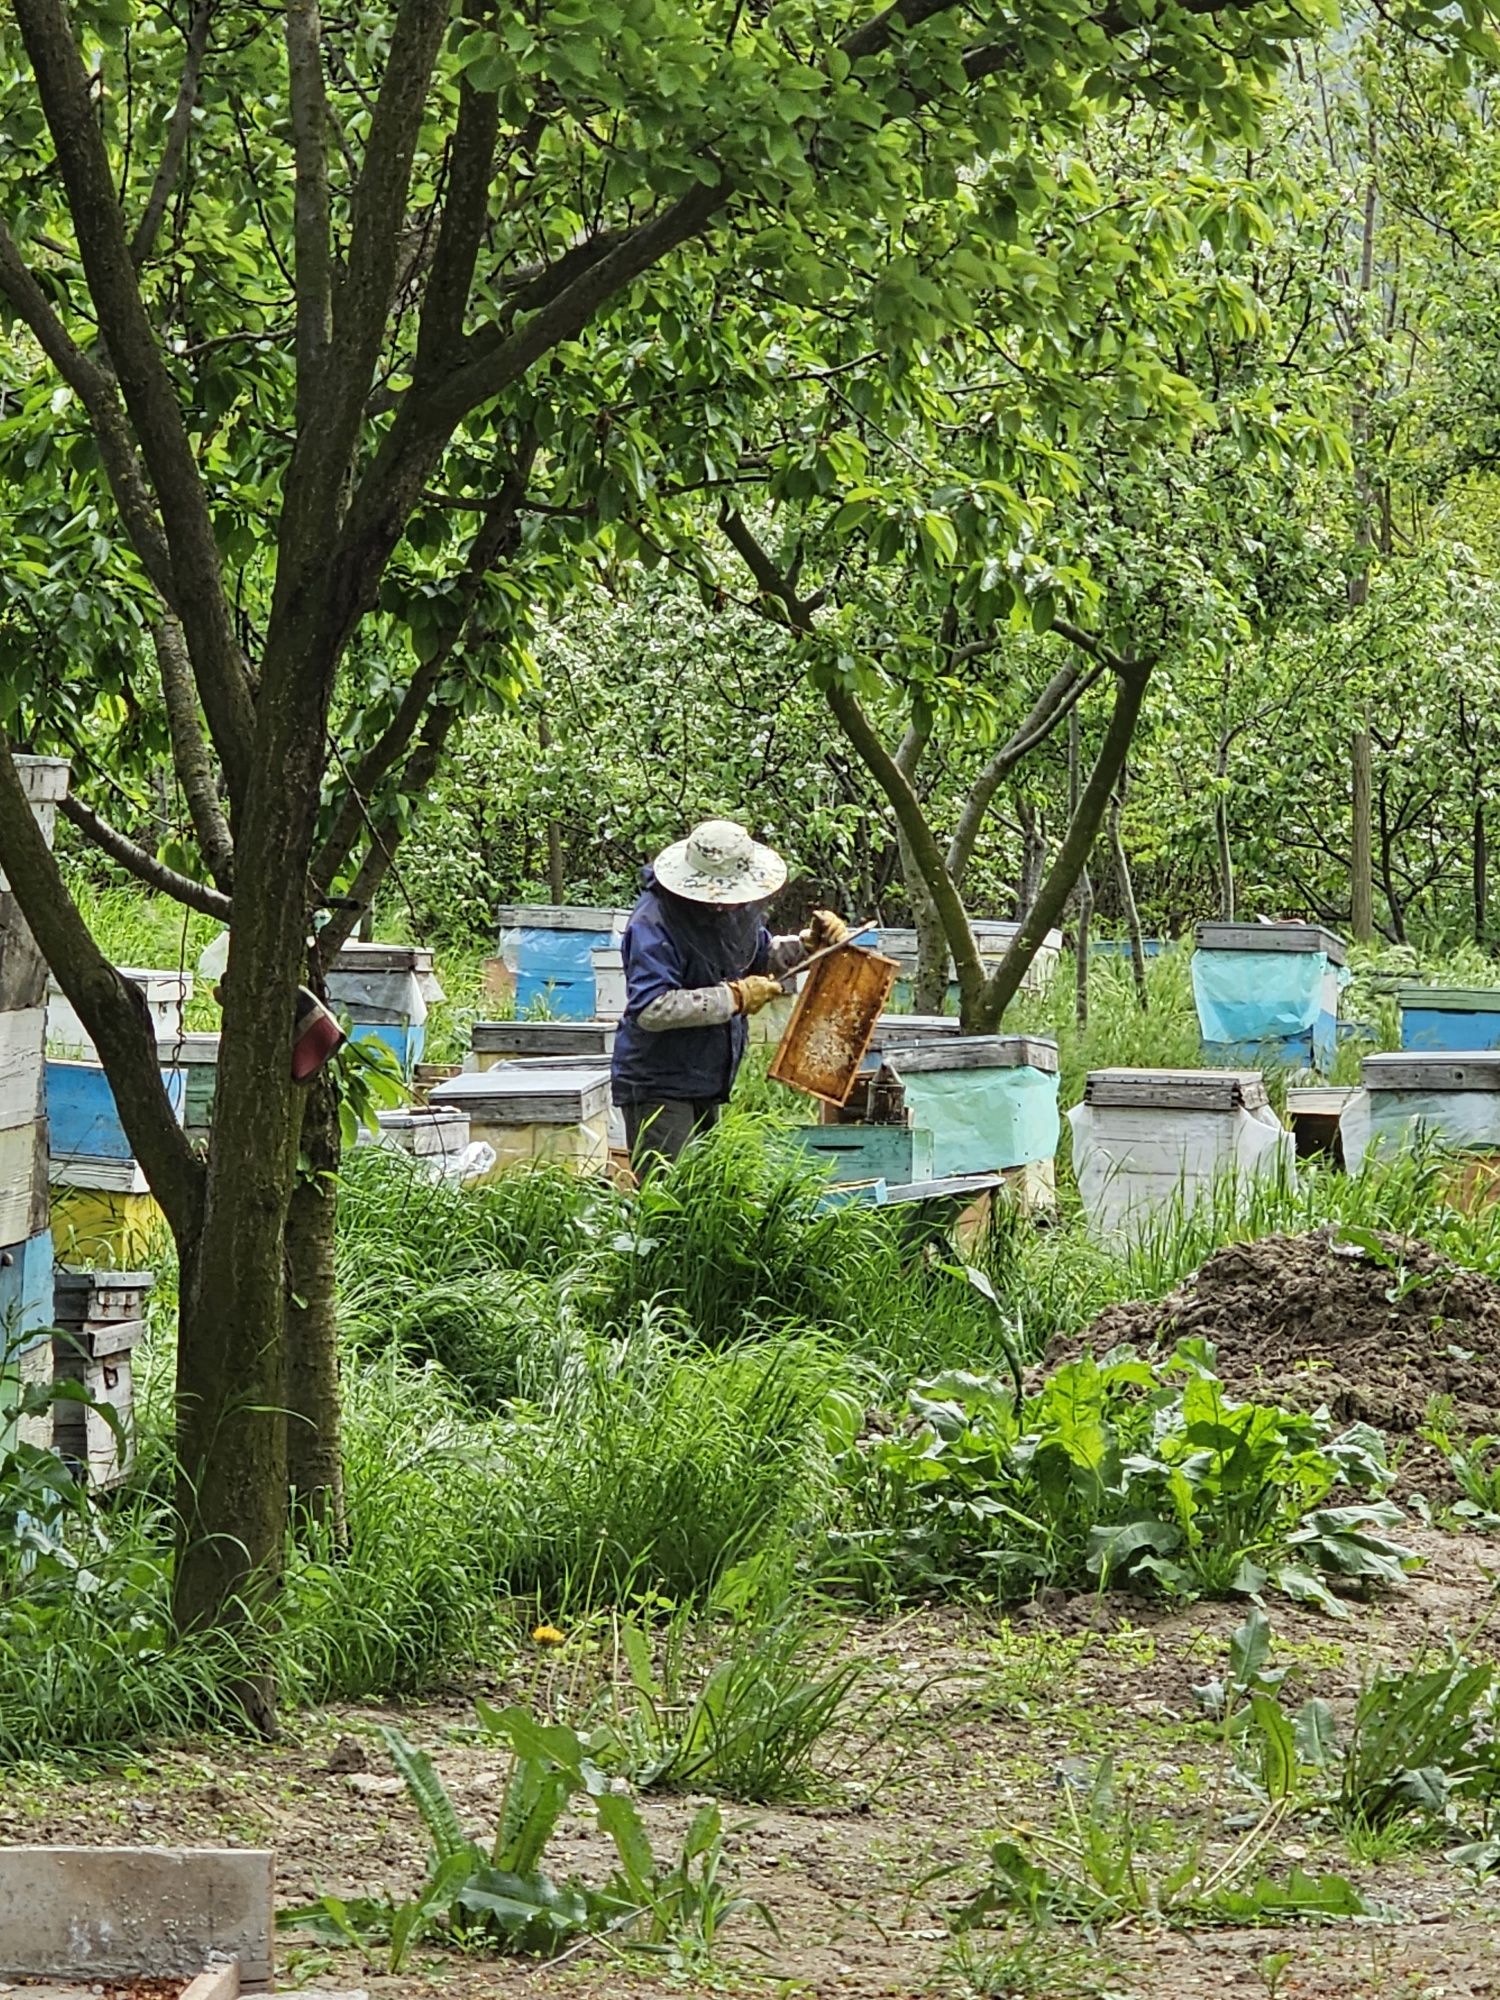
[825, 929]
[753, 992]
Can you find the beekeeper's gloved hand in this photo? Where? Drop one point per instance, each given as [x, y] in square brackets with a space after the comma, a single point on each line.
[825, 929]
[753, 992]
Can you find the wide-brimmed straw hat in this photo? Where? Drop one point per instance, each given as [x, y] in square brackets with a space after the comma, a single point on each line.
[720, 863]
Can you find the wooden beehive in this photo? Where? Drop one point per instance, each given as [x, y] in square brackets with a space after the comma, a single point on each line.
[532, 1112]
[833, 1022]
[1146, 1141]
[100, 1318]
[504, 1041]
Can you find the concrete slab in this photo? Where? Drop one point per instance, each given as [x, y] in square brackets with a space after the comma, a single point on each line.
[94, 1913]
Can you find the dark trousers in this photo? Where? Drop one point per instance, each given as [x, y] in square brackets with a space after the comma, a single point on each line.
[658, 1132]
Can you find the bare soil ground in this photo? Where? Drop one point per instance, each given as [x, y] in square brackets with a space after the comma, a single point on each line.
[862, 1888]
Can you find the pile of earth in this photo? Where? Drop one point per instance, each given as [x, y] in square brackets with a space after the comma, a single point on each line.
[1374, 1330]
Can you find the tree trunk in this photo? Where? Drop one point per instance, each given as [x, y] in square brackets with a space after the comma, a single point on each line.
[556, 879]
[315, 1472]
[1361, 843]
[1481, 875]
[1085, 888]
[1033, 856]
[930, 991]
[1081, 964]
[1127, 897]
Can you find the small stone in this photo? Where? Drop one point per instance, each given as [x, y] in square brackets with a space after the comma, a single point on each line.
[375, 1784]
[348, 1755]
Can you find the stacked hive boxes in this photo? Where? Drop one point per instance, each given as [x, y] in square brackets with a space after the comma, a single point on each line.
[1148, 1141]
[384, 991]
[533, 1111]
[25, 1239]
[549, 951]
[1269, 993]
[102, 1210]
[100, 1318]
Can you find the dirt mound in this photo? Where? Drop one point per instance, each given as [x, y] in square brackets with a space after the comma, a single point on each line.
[1373, 1332]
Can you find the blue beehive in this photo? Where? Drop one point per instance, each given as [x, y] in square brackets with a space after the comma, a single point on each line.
[25, 1292]
[1449, 1017]
[549, 948]
[86, 1139]
[383, 991]
[1268, 993]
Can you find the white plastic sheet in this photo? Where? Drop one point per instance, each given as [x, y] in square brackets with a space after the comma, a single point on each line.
[1133, 1162]
[1392, 1121]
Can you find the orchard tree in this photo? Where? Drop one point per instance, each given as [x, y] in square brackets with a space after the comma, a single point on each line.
[313, 305]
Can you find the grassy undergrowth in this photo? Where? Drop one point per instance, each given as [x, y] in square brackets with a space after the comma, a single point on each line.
[562, 1403]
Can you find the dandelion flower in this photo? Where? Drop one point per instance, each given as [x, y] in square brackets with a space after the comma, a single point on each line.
[548, 1635]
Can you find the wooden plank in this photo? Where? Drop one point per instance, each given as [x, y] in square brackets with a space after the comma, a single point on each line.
[560, 917]
[18, 1156]
[1177, 1089]
[1270, 937]
[1437, 1069]
[542, 1038]
[22, 1039]
[1317, 1102]
[97, 1343]
[977, 1052]
[1448, 999]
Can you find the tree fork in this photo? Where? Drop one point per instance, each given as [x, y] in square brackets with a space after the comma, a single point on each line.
[1131, 680]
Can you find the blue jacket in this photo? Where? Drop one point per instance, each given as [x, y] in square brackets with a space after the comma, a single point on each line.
[695, 1063]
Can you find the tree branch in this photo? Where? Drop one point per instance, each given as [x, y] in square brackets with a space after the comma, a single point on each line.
[113, 1011]
[465, 214]
[385, 833]
[190, 757]
[98, 392]
[494, 537]
[314, 491]
[312, 228]
[179, 127]
[1057, 699]
[1072, 857]
[145, 867]
[197, 594]
[926, 852]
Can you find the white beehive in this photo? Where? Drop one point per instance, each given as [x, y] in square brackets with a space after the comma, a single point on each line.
[1145, 1140]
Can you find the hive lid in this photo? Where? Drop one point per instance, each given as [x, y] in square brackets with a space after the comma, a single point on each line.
[551, 1038]
[1448, 999]
[905, 1031]
[358, 957]
[976, 1052]
[1436, 1069]
[1177, 1089]
[1270, 937]
[992, 937]
[525, 1093]
[559, 917]
[187, 1048]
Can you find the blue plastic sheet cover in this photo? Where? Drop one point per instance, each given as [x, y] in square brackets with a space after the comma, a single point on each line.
[981, 1119]
[560, 955]
[1246, 996]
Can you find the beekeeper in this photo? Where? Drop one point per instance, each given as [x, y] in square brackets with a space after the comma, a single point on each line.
[698, 961]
